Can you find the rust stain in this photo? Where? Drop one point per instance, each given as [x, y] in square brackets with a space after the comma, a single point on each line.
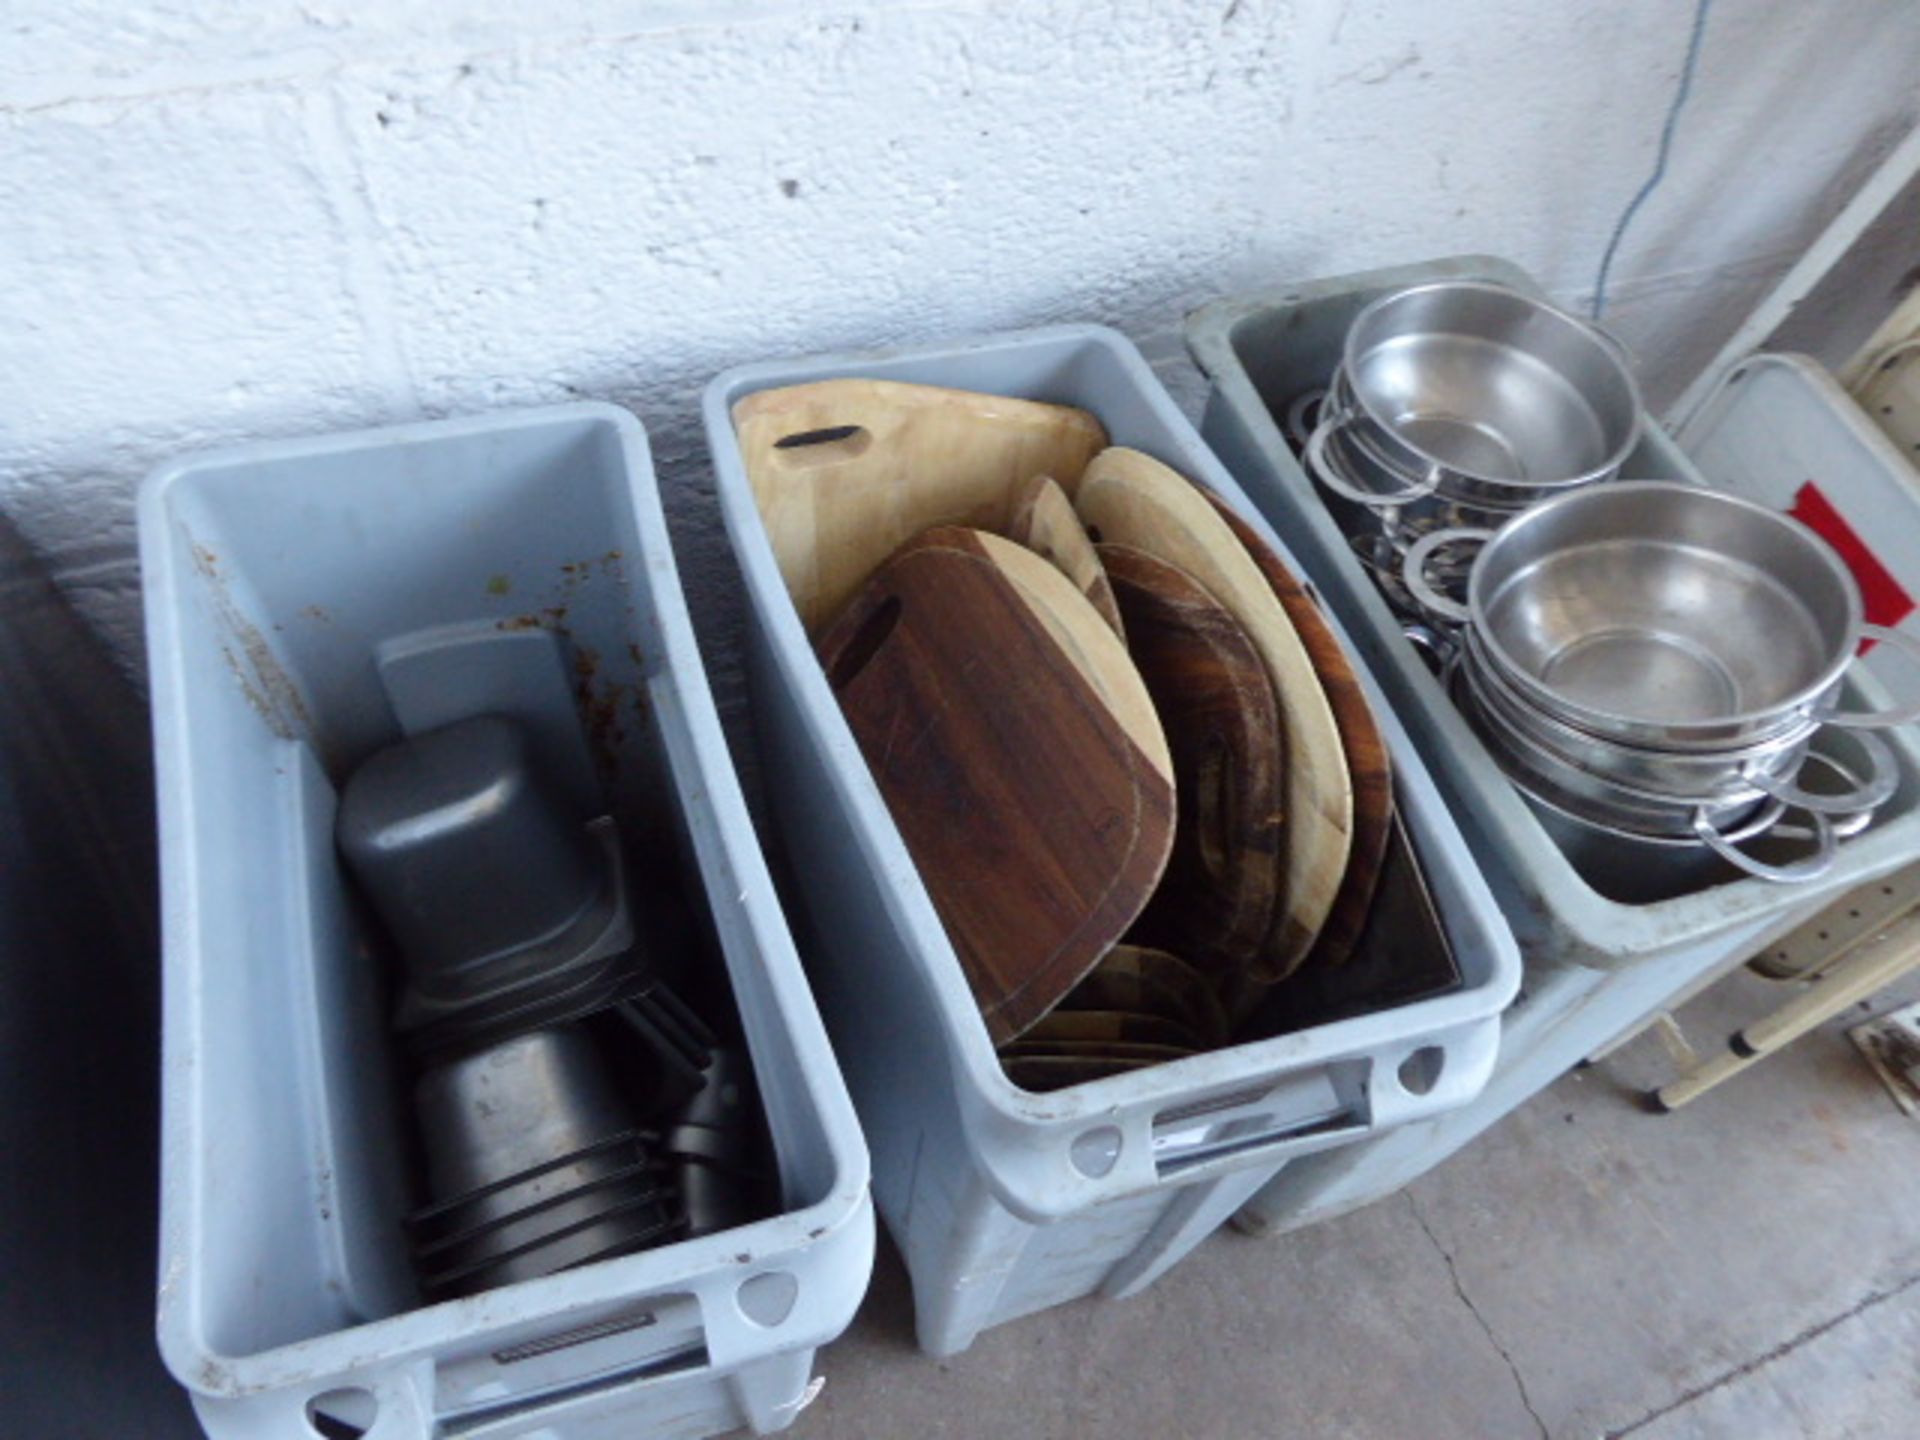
[599, 703]
[499, 585]
[263, 680]
[253, 696]
[604, 706]
[315, 612]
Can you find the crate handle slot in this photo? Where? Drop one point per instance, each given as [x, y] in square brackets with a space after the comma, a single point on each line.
[1348, 1120]
[579, 1335]
[689, 1357]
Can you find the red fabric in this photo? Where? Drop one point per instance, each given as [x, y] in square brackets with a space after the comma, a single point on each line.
[1886, 599]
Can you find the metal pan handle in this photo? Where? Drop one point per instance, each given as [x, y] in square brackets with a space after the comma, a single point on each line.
[1413, 570]
[1302, 412]
[1871, 789]
[1882, 719]
[1435, 651]
[1329, 472]
[1794, 872]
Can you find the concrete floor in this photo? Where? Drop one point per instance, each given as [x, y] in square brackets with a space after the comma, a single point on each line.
[1748, 1267]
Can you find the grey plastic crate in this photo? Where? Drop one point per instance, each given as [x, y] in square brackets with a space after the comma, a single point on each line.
[276, 578]
[1006, 1202]
[1262, 350]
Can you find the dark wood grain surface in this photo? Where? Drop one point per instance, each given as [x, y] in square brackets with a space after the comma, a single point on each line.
[1127, 497]
[1368, 766]
[1216, 902]
[1138, 977]
[1038, 825]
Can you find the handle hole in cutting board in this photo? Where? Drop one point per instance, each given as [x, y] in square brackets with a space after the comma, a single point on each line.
[806, 449]
[865, 644]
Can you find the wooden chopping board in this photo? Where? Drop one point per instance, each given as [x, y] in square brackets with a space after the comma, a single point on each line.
[845, 471]
[1038, 810]
[1368, 767]
[1129, 498]
[1216, 901]
[1116, 1026]
[1043, 521]
[1133, 977]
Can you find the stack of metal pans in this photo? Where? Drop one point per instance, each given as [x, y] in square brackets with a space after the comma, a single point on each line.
[1461, 404]
[1659, 665]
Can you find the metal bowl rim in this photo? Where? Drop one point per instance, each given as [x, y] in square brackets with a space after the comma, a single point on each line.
[1765, 721]
[1607, 345]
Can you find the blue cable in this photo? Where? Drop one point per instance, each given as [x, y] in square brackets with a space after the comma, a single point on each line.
[1700, 9]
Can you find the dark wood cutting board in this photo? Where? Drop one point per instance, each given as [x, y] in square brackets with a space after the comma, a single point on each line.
[1130, 498]
[1029, 781]
[1134, 977]
[1368, 767]
[1215, 904]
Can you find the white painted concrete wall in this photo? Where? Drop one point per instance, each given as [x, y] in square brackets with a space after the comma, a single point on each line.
[226, 219]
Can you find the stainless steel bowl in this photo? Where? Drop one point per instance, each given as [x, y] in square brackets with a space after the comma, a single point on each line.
[1666, 615]
[1656, 792]
[1485, 391]
[1639, 869]
[1766, 767]
[1590, 795]
[1338, 457]
[1640, 847]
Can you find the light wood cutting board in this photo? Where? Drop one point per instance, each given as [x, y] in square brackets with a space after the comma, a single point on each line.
[1038, 812]
[1368, 766]
[1043, 521]
[846, 471]
[1128, 497]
